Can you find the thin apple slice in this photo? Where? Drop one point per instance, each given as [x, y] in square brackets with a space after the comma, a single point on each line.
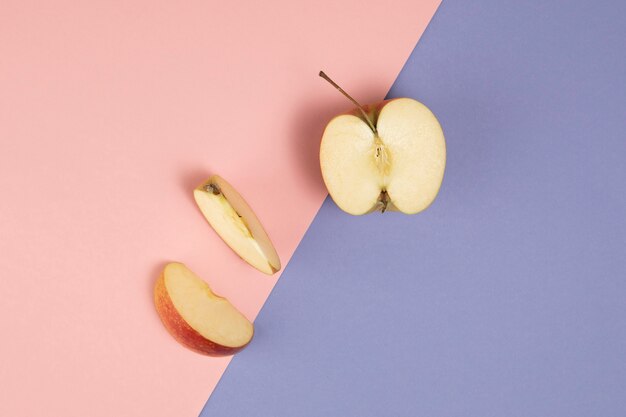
[235, 222]
[198, 318]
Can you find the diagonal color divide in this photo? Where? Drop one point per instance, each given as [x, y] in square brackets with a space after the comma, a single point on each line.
[507, 296]
[110, 113]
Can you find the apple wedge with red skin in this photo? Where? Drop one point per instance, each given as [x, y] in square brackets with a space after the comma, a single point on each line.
[198, 318]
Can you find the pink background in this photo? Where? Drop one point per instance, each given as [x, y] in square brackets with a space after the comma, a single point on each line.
[110, 113]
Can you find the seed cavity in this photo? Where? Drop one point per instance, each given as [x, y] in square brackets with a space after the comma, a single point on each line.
[382, 157]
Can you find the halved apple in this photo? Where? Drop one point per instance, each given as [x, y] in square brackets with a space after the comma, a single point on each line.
[388, 156]
[198, 318]
[235, 222]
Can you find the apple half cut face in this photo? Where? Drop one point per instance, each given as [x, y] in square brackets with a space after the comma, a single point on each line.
[235, 222]
[198, 318]
[399, 166]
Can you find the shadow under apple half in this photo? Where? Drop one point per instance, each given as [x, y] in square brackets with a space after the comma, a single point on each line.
[198, 318]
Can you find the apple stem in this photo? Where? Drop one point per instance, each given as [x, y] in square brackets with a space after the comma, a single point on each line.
[349, 97]
[383, 201]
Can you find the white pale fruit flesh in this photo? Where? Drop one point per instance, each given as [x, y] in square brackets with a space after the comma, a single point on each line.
[235, 222]
[399, 167]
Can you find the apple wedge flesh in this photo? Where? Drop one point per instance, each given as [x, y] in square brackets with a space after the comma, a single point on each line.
[399, 166]
[235, 222]
[198, 318]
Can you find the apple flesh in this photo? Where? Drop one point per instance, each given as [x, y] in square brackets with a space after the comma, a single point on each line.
[198, 318]
[387, 156]
[235, 222]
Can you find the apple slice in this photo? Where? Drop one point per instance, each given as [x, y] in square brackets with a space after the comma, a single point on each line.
[235, 222]
[387, 156]
[198, 318]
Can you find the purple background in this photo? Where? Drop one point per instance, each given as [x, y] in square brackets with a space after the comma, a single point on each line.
[508, 296]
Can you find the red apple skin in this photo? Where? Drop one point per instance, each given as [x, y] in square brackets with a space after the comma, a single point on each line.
[372, 110]
[181, 331]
